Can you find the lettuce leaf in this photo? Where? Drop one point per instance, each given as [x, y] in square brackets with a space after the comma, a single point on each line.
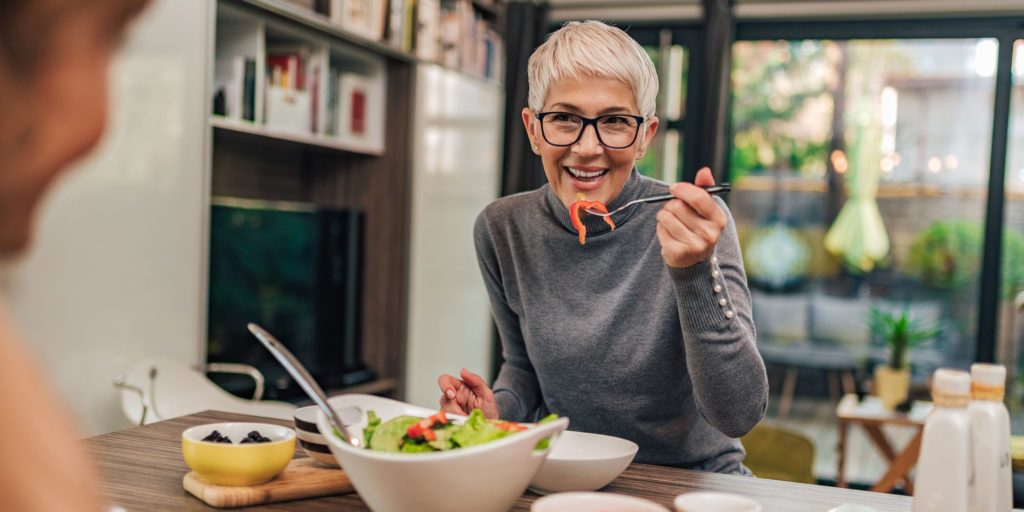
[387, 437]
[477, 430]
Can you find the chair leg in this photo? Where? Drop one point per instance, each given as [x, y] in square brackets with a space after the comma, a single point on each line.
[788, 388]
[833, 385]
[849, 383]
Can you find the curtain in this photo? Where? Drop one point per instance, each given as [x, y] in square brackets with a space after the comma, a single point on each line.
[527, 27]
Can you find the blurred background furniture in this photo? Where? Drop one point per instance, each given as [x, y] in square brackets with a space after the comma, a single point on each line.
[811, 330]
[779, 453]
[158, 389]
[872, 417]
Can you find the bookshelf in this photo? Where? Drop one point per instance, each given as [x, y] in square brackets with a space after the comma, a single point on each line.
[305, 108]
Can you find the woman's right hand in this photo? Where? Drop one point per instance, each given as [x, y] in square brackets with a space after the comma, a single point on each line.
[461, 396]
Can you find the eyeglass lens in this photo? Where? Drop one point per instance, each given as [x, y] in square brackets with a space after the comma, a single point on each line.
[614, 131]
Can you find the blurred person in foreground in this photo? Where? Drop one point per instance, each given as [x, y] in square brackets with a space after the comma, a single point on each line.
[54, 56]
[644, 332]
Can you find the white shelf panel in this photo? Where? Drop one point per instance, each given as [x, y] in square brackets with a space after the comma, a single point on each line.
[308, 139]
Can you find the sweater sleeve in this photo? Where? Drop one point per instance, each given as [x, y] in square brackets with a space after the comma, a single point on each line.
[730, 384]
[516, 389]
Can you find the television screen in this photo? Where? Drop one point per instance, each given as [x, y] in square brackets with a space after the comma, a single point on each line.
[295, 270]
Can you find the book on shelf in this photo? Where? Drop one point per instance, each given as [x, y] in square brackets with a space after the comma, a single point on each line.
[428, 26]
[285, 68]
[354, 96]
[394, 30]
[330, 123]
[408, 24]
[450, 35]
[249, 89]
[468, 41]
[363, 17]
[235, 92]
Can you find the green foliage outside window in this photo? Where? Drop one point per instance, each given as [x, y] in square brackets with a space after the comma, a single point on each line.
[782, 106]
[947, 254]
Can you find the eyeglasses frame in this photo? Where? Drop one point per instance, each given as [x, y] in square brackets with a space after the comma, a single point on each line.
[587, 121]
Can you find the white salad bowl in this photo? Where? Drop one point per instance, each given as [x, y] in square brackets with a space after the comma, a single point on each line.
[488, 477]
[581, 461]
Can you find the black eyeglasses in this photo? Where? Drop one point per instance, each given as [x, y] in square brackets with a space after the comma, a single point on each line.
[614, 131]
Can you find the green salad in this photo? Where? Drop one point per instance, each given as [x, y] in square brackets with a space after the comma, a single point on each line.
[411, 434]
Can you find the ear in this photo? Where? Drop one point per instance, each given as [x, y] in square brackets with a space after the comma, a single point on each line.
[650, 128]
[529, 122]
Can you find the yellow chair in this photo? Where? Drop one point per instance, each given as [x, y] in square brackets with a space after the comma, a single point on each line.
[778, 453]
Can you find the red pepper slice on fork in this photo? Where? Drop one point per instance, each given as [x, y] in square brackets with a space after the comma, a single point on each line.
[574, 216]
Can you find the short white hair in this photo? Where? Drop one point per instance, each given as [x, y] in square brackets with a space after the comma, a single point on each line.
[592, 49]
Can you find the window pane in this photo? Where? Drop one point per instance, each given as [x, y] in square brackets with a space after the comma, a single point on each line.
[1011, 318]
[664, 156]
[859, 170]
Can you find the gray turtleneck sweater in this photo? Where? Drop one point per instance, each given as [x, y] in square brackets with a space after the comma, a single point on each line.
[609, 336]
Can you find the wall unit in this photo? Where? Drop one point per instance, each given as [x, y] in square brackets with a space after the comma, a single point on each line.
[335, 126]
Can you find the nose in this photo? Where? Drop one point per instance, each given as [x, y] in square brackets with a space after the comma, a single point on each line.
[588, 143]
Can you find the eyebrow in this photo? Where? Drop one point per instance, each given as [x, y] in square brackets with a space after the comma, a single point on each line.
[608, 110]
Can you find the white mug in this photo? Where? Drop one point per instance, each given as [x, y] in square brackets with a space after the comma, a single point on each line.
[715, 502]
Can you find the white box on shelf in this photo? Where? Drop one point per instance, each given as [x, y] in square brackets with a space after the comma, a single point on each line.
[287, 109]
[363, 17]
[353, 108]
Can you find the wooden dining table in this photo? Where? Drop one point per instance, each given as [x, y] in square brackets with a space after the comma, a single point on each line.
[142, 469]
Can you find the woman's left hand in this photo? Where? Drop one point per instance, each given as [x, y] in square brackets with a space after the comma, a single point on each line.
[690, 224]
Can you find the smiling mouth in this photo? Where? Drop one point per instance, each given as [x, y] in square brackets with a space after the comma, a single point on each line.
[586, 176]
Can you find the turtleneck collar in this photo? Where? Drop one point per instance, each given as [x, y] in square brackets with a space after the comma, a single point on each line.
[595, 225]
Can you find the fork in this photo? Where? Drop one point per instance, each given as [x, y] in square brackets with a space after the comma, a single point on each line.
[713, 190]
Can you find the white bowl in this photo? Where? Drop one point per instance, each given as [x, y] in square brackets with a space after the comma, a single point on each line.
[581, 461]
[594, 502]
[319, 452]
[485, 478]
[309, 436]
[705, 501]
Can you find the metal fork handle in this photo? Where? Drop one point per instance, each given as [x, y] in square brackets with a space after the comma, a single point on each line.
[713, 190]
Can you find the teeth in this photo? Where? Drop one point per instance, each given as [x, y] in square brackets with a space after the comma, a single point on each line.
[582, 174]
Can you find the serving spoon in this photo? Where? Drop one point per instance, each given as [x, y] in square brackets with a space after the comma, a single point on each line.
[713, 190]
[306, 381]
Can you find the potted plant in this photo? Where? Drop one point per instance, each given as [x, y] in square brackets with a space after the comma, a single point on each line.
[900, 333]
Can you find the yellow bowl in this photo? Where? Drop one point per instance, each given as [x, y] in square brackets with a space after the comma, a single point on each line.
[238, 463]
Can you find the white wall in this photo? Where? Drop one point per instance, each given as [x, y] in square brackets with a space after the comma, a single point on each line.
[117, 271]
[456, 168]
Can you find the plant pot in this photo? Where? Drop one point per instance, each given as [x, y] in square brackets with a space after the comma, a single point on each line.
[892, 386]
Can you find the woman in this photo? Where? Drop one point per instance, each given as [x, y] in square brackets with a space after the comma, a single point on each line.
[54, 56]
[644, 332]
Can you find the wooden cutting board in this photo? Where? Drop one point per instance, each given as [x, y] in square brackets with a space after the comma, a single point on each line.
[303, 478]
